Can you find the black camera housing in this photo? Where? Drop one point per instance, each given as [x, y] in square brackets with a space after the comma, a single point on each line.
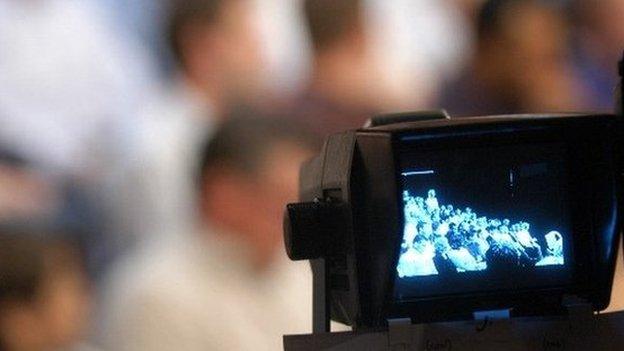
[350, 222]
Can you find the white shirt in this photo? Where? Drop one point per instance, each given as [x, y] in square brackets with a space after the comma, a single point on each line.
[432, 204]
[463, 260]
[202, 295]
[413, 263]
[153, 189]
[409, 233]
[554, 241]
[443, 229]
[418, 44]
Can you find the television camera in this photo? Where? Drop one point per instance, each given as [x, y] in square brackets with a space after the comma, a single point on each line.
[421, 226]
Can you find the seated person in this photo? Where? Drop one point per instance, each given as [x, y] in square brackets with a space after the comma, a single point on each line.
[417, 260]
[44, 299]
[432, 201]
[460, 256]
[521, 63]
[228, 284]
[554, 241]
[441, 260]
[477, 246]
[554, 250]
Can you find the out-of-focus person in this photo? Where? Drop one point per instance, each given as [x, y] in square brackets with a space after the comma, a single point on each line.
[70, 81]
[470, 8]
[521, 63]
[44, 294]
[29, 194]
[215, 46]
[228, 284]
[71, 84]
[418, 44]
[346, 85]
[598, 45]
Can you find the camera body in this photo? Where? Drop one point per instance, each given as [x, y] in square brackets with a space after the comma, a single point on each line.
[425, 218]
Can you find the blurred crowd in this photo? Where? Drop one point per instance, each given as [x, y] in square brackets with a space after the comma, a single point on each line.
[442, 239]
[148, 147]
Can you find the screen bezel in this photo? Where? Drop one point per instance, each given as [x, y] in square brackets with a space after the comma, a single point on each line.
[584, 225]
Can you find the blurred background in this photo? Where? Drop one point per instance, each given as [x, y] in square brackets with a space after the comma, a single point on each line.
[148, 147]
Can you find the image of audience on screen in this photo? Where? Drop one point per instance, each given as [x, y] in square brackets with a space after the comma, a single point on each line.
[442, 239]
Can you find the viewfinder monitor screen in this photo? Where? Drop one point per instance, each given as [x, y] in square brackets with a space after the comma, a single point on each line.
[483, 220]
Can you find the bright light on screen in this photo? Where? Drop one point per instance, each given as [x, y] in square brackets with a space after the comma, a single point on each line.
[440, 238]
[484, 219]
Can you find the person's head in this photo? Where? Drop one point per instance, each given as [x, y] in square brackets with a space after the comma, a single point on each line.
[522, 52]
[216, 46]
[456, 240]
[554, 243]
[334, 24]
[522, 32]
[345, 70]
[44, 298]
[249, 171]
